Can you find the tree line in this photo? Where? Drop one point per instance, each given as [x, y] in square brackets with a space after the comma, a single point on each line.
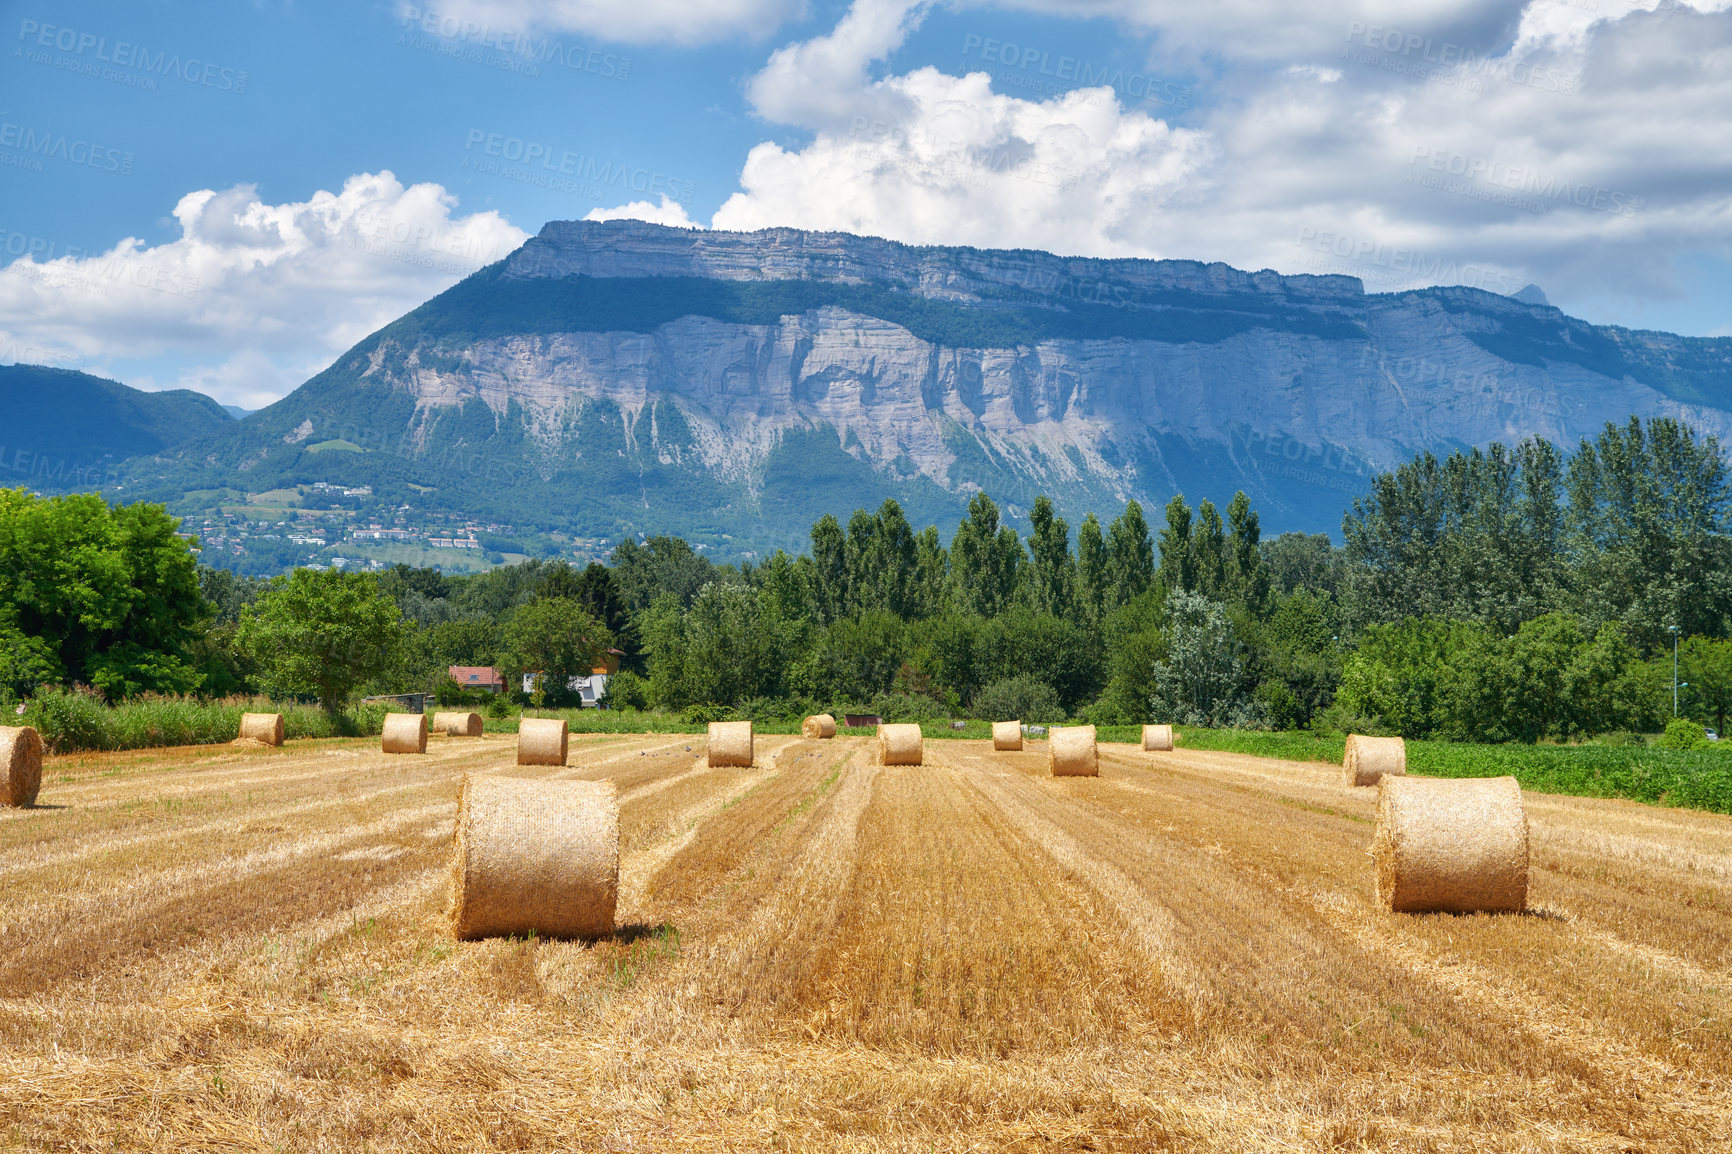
[1510, 593]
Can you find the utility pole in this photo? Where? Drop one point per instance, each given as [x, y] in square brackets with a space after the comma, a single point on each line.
[1674, 631]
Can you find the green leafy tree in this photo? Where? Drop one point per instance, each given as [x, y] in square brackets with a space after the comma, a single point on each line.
[557, 637]
[1706, 665]
[1024, 698]
[321, 634]
[598, 592]
[830, 559]
[1199, 680]
[1649, 506]
[1130, 556]
[1092, 576]
[1052, 571]
[985, 560]
[1178, 565]
[1136, 643]
[111, 593]
[725, 650]
[1405, 676]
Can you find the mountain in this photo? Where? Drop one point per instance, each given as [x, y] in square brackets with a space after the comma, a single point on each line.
[68, 430]
[620, 377]
[237, 412]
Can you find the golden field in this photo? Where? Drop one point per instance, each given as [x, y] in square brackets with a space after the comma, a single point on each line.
[228, 949]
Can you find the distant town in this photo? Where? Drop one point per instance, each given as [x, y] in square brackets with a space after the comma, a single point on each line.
[328, 526]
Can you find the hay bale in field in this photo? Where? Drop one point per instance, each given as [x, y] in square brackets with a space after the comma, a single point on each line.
[537, 857]
[542, 741]
[901, 745]
[1368, 759]
[1006, 735]
[730, 743]
[1071, 752]
[1158, 738]
[20, 765]
[818, 725]
[457, 724]
[404, 733]
[264, 728]
[1455, 846]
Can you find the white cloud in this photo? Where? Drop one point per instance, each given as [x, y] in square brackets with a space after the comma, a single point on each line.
[821, 83]
[1410, 160]
[253, 297]
[669, 212]
[965, 165]
[645, 22]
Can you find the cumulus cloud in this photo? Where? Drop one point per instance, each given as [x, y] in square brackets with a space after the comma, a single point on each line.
[822, 83]
[645, 22]
[966, 165]
[252, 297]
[1474, 144]
[669, 212]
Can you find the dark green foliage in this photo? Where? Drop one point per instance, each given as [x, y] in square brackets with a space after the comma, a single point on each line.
[68, 430]
[1025, 698]
[110, 595]
[489, 305]
[321, 635]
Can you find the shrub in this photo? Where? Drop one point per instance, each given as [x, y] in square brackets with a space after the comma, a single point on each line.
[1025, 698]
[625, 690]
[1682, 733]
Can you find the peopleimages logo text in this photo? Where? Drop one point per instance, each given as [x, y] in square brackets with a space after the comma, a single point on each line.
[54, 146]
[1072, 70]
[123, 54]
[564, 162]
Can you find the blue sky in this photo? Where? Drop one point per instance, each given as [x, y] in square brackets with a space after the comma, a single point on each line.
[225, 195]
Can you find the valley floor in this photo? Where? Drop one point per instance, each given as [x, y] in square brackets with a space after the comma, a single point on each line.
[217, 949]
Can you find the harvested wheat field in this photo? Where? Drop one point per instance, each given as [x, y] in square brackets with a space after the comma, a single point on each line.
[247, 949]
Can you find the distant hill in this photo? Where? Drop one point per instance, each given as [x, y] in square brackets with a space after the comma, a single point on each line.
[621, 377]
[237, 412]
[62, 429]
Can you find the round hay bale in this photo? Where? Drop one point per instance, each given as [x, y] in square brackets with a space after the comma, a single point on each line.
[457, 724]
[264, 728]
[542, 741]
[404, 733]
[1368, 759]
[1158, 738]
[1071, 751]
[21, 760]
[1455, 846]
[818, 725]
[901, 745]
[730, 743]
[535, 857]
[1006, 735]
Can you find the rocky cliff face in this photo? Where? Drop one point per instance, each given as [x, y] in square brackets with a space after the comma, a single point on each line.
[619, 376]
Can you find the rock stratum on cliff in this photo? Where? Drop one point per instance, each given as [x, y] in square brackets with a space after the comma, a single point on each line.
[622, 377]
